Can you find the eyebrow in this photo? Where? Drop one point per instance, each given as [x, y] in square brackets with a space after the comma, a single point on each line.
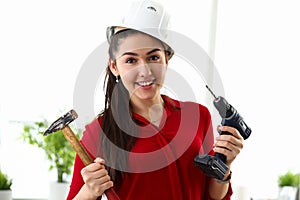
[135, 54]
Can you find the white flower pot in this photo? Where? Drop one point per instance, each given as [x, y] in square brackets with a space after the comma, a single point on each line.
[58, 191]
[287, 193]
[241, 193]
[5, 194]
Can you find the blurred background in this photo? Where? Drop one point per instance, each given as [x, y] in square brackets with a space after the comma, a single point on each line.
[255, 46]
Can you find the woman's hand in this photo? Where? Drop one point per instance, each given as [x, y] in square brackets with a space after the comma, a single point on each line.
[229, 145]
[96, 178]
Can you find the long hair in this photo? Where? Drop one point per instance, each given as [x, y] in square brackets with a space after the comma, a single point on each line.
[119, 129]
[117, 119]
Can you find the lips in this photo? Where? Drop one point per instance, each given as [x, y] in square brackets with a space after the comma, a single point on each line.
[145, 83]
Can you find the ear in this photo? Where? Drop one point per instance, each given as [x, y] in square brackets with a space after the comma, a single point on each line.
[167, 61]
[166, 58]
[113, 67]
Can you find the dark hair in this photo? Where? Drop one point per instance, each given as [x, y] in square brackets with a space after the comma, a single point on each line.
[116, 115]
[117, 124]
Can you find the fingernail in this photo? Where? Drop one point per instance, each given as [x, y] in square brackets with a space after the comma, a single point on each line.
[220, 129]
[99, 160]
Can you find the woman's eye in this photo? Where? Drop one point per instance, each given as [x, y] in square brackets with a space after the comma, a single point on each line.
[154, 58]
[130, 60]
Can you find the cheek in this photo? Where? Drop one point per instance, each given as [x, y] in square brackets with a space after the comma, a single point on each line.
[159, 72]
[128, 76]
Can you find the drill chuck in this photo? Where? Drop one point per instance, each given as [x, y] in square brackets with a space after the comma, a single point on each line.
[230, 117]
[223, 107]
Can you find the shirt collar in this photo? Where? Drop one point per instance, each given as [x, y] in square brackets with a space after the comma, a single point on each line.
[170, 105]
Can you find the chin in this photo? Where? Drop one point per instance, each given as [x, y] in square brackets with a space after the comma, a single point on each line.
[142, 95]
[145, 96]
[146, 93]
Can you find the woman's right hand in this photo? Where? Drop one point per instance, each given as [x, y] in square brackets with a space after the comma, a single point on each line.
[96, 178]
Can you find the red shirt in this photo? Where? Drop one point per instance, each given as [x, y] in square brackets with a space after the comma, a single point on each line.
[161, 162]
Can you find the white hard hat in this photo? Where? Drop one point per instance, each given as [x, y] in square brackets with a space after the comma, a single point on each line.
[147, 16]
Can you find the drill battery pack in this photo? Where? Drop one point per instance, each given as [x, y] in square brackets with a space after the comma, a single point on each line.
[211, 166]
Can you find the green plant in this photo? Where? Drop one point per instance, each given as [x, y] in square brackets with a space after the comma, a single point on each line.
[5, 181]
[289, 179]
[58, 150]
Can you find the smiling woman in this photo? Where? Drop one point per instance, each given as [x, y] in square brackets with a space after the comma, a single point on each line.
[257, 42]
[142, 136]
[38, 71]
[141, 67]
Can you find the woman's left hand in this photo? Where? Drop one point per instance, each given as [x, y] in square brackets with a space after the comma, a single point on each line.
[229, 145]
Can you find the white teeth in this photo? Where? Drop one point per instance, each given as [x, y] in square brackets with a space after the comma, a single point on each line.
[145, 83]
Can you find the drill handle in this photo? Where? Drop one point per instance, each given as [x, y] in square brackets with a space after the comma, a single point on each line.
[237, 121]
[220, 155]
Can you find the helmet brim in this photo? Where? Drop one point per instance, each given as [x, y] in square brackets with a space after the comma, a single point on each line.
[112, 30]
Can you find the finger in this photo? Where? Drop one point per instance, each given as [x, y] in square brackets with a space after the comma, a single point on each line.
[223, 140]
[98, 188]
[91, 169]
[94, 179]
[228, 149]
[223, 144]
[98, 178]
[231, 130]
[103, 179]
[229, 142]
[100, 173]
[108, 185]
[230, 154]
[96, 166]
[105, 186]
[99, 160]
[228, 146]
[101, 183]
[222, 150]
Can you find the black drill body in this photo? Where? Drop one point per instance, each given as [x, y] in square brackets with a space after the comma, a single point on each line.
[215, 166]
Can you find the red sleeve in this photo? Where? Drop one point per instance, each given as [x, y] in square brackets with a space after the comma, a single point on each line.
[77, 181]
[229, 193]
[227, 196]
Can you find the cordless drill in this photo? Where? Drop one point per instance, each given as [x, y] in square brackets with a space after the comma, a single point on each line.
[215, 166]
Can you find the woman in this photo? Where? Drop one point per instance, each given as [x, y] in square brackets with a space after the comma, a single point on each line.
[139, 120]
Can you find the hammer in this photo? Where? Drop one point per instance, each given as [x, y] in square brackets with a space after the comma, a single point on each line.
[62, 124]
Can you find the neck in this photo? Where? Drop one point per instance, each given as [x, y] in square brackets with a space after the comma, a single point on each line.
[151, 109]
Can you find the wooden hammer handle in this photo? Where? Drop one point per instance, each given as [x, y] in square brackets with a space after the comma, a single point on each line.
[84, 156]
[73, 140]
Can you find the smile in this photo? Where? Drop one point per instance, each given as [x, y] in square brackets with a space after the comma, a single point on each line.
[145, 83]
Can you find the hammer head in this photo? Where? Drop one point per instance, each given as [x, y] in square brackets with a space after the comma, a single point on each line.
[61, 122]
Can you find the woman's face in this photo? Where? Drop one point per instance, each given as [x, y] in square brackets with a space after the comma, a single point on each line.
[141, 63]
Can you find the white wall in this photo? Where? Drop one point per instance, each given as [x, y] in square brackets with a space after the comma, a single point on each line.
[257, 54]
[45, 43]
[43, 47]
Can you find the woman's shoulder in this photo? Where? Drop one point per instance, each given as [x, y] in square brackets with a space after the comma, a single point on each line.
[183, 104]
[95, 125]
[93, 129]
[91, 135]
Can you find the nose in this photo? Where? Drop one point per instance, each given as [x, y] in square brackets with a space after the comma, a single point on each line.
[144, 69]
